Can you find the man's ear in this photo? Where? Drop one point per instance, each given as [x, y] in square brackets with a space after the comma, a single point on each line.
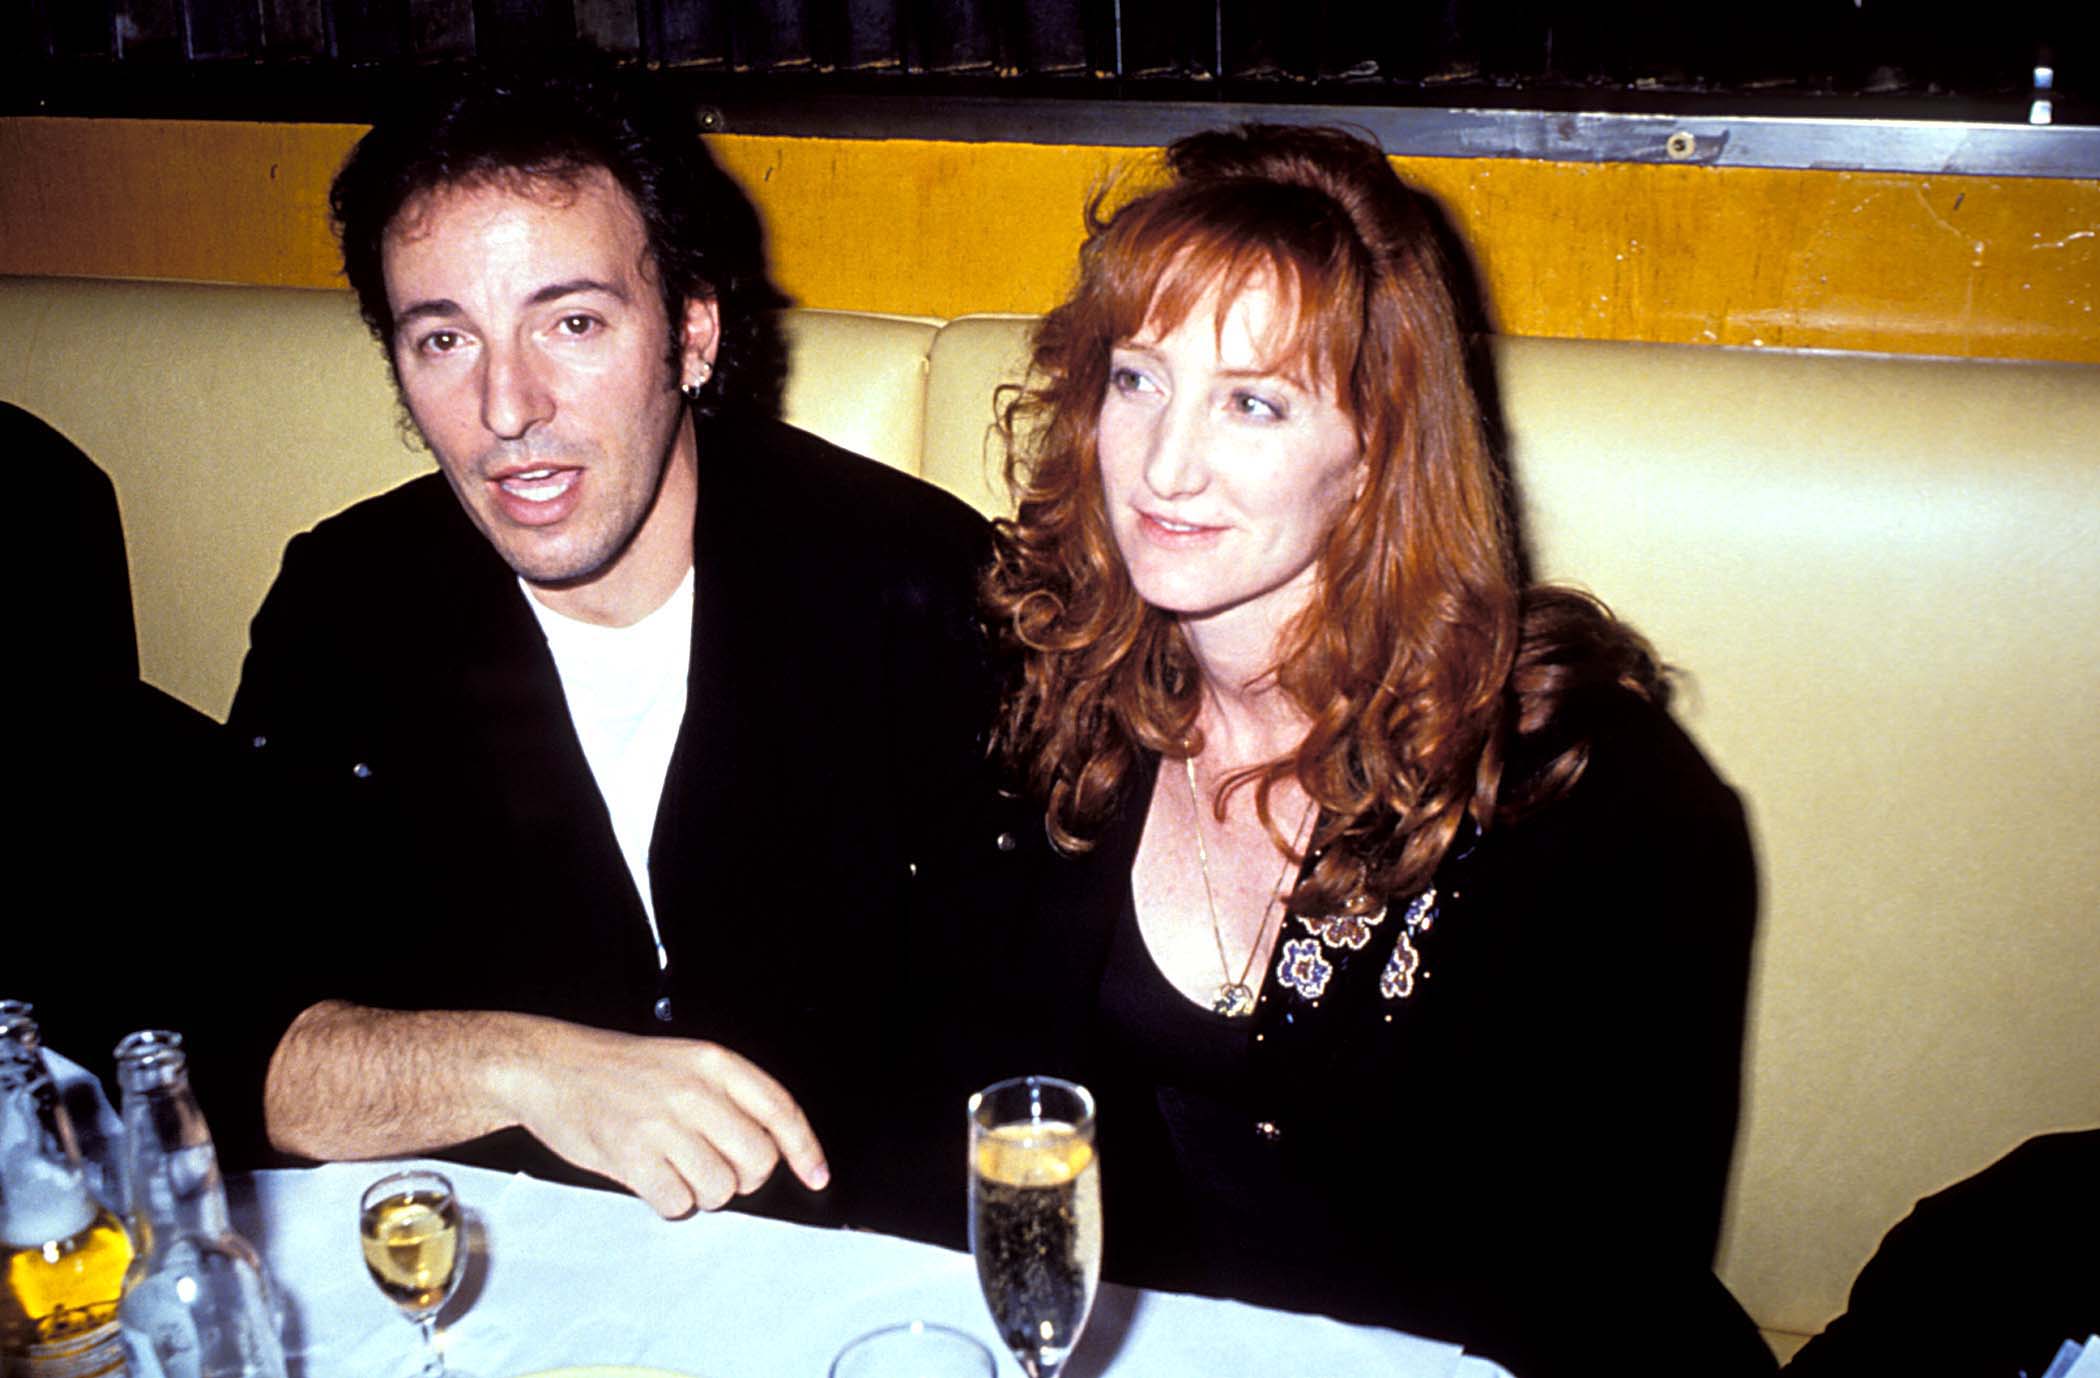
[702, 336]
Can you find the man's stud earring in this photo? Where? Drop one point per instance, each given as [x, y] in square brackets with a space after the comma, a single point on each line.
[692, 389]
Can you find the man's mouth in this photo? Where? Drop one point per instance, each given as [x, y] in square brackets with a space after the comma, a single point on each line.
[538, 485]
[536, 495]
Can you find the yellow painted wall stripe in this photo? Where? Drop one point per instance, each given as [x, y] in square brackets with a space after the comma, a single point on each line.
[191, 199]
[1983, 266]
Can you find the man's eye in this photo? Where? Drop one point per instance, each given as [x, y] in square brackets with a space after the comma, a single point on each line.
[577, 325]
[440, 342]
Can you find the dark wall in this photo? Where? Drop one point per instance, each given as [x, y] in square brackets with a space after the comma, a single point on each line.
[97, 56]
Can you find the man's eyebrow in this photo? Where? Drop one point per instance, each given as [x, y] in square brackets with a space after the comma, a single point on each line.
[441, 308]
[554, 291]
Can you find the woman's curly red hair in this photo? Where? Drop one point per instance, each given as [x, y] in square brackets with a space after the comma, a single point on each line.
[1419, 652]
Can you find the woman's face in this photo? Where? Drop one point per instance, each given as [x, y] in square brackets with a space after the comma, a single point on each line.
[1222, 476]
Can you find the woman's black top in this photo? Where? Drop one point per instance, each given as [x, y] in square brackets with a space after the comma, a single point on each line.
[1195, 1062]
[1503, 1114]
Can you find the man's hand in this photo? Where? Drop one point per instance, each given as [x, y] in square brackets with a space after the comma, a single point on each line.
[684, 1125]
[681, 1124]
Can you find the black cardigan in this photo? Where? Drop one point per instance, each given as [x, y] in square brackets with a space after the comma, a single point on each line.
[1527, 1152]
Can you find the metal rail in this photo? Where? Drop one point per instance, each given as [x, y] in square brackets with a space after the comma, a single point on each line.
[1978, 148]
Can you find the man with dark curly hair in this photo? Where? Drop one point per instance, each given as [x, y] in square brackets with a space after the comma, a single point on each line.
[609, 749]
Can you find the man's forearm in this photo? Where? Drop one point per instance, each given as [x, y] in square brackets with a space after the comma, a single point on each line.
[680, 1122]
[348, 1081]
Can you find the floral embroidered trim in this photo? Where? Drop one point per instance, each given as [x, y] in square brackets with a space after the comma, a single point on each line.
[1421, 911]
[1397, 981]
[1303, 969]
[1342, 930]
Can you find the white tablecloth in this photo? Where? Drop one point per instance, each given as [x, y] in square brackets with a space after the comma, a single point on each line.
[562, 1275]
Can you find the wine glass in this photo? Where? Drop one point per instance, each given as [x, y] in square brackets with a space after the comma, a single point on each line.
[408, 1224]
[1035, 1214]
[916, 1349]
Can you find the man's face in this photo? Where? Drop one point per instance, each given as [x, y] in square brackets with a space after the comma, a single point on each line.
[529, 339]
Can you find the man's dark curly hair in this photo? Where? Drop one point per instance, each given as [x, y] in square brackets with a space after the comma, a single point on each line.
[552, 122]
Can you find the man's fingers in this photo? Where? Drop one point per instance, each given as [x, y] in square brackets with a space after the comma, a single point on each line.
[804, 1155]
[709, 1175]
[742, 1152]
[768, 1103]
[682, 1124]
[663, 1188]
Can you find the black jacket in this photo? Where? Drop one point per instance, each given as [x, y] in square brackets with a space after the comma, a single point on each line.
[449, 848]
[1986, 1279]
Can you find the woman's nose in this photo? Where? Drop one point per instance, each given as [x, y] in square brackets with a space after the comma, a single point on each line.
[1175, 465]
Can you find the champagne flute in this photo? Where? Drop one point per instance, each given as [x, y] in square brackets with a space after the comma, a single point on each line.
[408, 1224]
[1035, 1214]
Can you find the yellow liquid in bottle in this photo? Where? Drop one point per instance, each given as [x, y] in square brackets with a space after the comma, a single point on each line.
[67, 1287]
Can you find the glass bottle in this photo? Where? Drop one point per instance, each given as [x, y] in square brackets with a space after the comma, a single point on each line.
[196, 1304]
[65, 1253]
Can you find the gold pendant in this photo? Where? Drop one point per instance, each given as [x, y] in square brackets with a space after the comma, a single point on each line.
[1233, 1000]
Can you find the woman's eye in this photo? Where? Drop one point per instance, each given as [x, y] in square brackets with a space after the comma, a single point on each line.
[1257, 407]
[1128, 380]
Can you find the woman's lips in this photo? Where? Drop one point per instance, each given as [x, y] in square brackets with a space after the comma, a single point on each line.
[1173, 531]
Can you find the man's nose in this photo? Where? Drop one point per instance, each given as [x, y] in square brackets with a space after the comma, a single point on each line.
[514, 397]
[1176, 465]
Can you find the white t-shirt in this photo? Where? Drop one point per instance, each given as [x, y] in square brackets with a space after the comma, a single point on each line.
[626, 692]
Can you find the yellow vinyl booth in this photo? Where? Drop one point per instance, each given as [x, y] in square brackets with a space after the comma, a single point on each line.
[1880, 578]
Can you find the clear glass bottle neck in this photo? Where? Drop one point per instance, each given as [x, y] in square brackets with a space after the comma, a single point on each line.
[174, 1171]
[43, 1189]
[21, 1047]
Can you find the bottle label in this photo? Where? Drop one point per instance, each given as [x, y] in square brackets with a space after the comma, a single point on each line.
[92, 1353]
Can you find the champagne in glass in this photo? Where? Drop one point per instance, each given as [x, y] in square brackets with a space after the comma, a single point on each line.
[409, 1226]
[1035, 1214]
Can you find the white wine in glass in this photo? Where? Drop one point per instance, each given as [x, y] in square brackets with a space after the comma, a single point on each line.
[1035, 1214]
[408, 1224]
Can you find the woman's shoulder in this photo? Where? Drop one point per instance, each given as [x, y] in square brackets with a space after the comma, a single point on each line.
[1614, 766]
[1629, 741]
[1639, 873]
[1589, 701]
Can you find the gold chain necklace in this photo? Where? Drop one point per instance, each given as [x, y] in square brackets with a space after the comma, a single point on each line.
[1235, 998]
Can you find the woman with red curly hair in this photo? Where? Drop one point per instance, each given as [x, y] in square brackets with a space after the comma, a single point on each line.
[1403, 936]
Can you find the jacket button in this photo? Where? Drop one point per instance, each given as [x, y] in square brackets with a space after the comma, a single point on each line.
[1266, 1131]
[259, 741]
[361, 771]
[662, 1009]
[1006, 842]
